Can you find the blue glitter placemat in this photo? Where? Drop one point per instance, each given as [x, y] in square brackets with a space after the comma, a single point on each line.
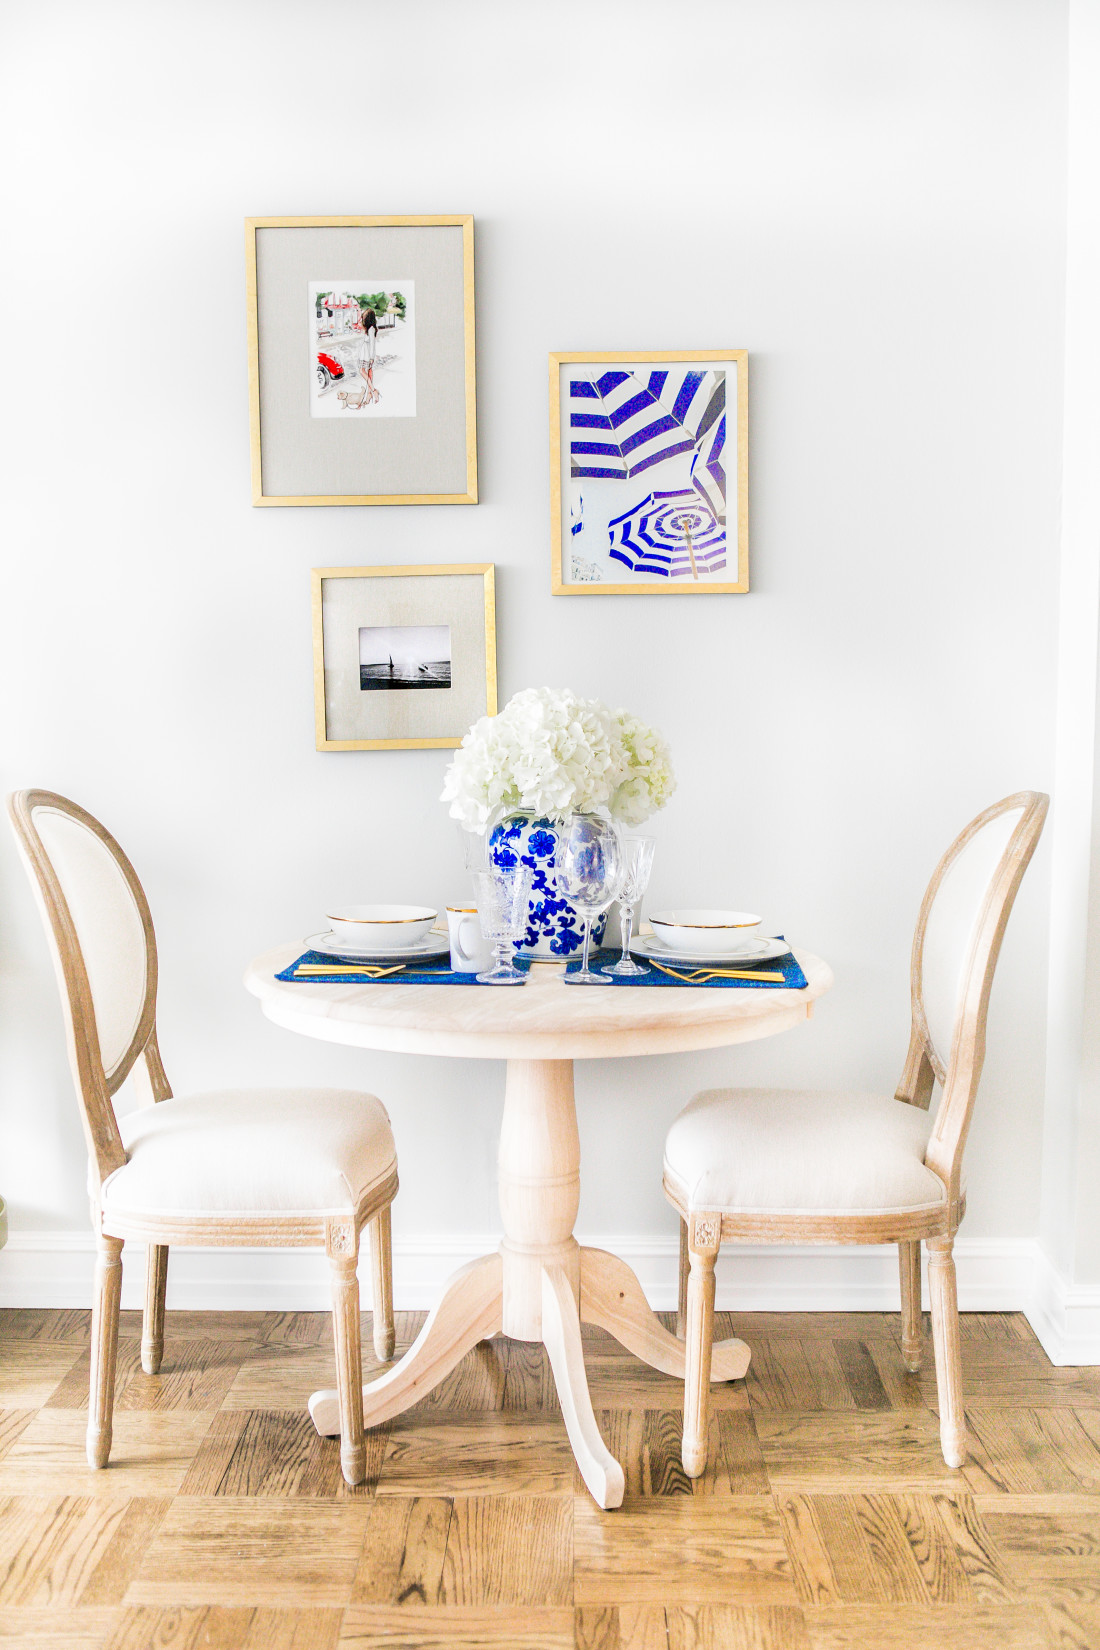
[710, 974]
[434, 971]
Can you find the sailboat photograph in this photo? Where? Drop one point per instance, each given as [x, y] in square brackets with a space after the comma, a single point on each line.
[404, 656]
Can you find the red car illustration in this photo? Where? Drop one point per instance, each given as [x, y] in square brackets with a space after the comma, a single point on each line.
[328, 370]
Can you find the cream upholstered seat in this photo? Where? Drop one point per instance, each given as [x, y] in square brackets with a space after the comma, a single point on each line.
[248, 1151]
[285, 1167]
[768, 1166]
[800, 1153]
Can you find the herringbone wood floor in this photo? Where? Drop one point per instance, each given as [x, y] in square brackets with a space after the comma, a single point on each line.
[827, 1520]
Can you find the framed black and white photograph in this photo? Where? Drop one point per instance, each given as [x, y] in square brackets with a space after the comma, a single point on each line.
[404, 658]
[361, 360]
[649, 491]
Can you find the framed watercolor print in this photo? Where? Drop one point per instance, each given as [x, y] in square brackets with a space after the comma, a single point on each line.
[649, 473]
[404, 658]
[361, 360]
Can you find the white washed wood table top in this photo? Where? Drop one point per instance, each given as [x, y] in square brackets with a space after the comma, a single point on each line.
[544, 1020]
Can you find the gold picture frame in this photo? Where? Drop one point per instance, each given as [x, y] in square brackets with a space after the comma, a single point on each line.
[421, 445]
[361, 612]
[616, 531]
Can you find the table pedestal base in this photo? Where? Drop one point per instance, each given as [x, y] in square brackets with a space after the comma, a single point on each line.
[541, 1285]
[472, 1310]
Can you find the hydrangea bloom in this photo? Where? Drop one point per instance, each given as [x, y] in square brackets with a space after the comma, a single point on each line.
[552, 754]
[646, 778]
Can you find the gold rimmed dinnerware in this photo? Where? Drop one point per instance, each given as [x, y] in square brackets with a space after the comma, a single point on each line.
[705, 929]
[330, 945]
[381, 927]
[747, 955]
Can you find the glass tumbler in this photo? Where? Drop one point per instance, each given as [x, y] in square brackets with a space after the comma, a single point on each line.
[502, 897]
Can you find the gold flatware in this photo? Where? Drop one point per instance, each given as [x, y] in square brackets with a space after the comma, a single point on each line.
[699, 976]
[373, 971]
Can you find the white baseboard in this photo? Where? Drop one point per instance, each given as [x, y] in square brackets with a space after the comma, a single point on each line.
[54, 1269]
[992, 1276]
[1065, 1316]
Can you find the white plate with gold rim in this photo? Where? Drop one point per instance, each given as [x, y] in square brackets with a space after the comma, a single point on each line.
[432, 945]
[706, 929]
[749, 953]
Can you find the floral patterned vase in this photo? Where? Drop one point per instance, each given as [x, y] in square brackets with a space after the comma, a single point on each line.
[553, 927]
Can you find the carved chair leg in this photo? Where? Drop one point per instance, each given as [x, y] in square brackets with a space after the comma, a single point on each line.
[682, 1296]
[909, 1262]
[381, 1266]
[152, 1322]
[342, 1245]
[101, 1391]
[945, 1339]
[703, 1241]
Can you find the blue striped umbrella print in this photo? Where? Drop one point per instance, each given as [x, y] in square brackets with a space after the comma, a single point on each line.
[672, 534]
[623, 423]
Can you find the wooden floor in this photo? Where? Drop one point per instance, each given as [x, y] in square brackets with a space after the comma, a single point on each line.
[827, 1520]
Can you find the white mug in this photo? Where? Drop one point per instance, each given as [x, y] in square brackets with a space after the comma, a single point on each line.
[470, 952]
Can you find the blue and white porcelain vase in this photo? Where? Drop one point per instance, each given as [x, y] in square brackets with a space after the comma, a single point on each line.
[554, 930]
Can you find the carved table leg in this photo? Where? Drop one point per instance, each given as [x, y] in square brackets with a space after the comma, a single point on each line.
[612, 1297]
[468, 1313]
[561, 1332]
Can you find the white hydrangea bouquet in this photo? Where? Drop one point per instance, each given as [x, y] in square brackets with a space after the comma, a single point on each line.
[547, 755]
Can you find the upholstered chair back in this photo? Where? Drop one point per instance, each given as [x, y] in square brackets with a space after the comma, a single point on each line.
[101, 937]
[955, 950]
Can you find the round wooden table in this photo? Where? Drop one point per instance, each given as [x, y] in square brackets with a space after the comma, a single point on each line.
[541, 1284]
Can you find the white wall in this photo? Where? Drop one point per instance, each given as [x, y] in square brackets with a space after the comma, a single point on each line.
[866, 194]
[1069, 1315]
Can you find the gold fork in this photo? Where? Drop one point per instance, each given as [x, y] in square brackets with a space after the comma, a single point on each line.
[699, 976]
[353, 970]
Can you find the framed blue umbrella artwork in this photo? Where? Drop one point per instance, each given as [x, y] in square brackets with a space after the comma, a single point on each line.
[649, 473]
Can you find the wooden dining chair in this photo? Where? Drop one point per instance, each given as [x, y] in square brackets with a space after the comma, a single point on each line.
[774, 1166]
[234, 1167]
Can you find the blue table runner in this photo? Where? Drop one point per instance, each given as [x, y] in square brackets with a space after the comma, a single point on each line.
[433, 971]
[437, 971]
[697, 974]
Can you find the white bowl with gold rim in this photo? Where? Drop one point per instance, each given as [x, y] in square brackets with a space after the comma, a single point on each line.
[709, 933]
[381, 927]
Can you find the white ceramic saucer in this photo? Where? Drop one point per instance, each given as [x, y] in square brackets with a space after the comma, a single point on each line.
[750, 952]
[432, 945]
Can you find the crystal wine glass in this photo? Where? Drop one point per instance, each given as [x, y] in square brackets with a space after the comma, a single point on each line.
[589, 873]
[502, 897]
[637, 864]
